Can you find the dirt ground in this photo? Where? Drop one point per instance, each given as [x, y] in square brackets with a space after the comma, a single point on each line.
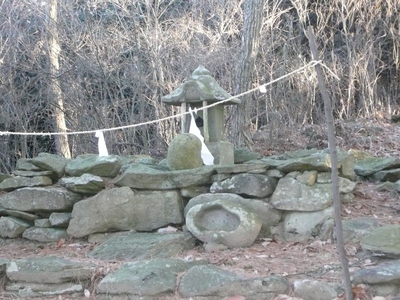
[315, 260]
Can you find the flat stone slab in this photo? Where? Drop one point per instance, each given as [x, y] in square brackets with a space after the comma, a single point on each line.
[209, 281]
[29, 290]
[135, 246]
[384, 273]
[156, 277]
[48, 270]
[383, 240]
[142, 176]
[355, 229]
[314, 290]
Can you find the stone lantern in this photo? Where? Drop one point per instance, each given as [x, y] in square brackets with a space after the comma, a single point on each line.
[200, 90]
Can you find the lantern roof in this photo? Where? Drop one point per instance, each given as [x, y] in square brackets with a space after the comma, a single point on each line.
[201, 86]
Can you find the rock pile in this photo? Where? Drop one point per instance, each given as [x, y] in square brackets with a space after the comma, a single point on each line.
[120, 201]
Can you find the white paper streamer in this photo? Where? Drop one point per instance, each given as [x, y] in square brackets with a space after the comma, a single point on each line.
[102, 144]
[206, 156]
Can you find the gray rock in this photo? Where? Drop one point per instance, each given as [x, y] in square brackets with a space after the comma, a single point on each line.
[266, 213]
[43, 223]
[139, 158]
[39, 199]
[18, 214]
[138, 246]
[184, 152]
[60, 219]
[307, 177]
[314, 290]
[205, 280]
[396, 186]
[301, 153]
[14, 183]
[381, 274]
[320, 162]
[387, 175]
[303, 226]
[324, 177]
[223, 222]
[275, 174]
[242, 155]
[292, 195]
[383, 240]
[386, 186]
[85, 184]
[313, 160]
[254, 168]
[23, 164]
[49, 174]
[355, 229]
[50, 162]
[4, 176]
[44, 235]
[156, 277]
[106, 166]
[210, 281]
[371, 165]
[11, 227]
[29, 290]
[48, 269]
[141, 176]
[124, 209]
[251, 185]
[193, 191]
[3, 265]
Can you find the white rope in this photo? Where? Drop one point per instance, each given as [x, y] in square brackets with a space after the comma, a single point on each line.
[309, 65]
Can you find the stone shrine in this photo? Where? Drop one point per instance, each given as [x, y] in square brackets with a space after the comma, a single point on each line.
[199, 91]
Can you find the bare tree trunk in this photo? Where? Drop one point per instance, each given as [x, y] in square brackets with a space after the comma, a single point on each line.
[334, 167]
[241, 121]
[54, 49]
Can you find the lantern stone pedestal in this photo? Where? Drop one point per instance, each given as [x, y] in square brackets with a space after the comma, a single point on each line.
[222, 151]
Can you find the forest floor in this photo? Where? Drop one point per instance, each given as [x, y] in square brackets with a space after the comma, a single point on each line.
[314, 260]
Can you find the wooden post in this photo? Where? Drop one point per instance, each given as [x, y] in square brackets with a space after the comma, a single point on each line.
[206, 132]
[334, 166]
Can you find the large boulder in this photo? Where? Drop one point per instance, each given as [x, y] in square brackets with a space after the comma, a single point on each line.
[294, 192]
[250, 185]
[143, 245]
[17, 182]
[184, 152]
[313, 160]
[50, 162]
[106, 166]
[159, 275]
[211, 282]
[304, 226]
[144, 176]
[124, 209]
[223, 222]
[45, 235]
[371, 165]
[48, 269]
[383, 240]
[39, 199]
[268, 215]
[11, 227]
[391, 175]
[84, 184]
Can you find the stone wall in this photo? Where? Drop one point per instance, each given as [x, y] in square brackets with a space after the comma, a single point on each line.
[286, 197]
[50, 197]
